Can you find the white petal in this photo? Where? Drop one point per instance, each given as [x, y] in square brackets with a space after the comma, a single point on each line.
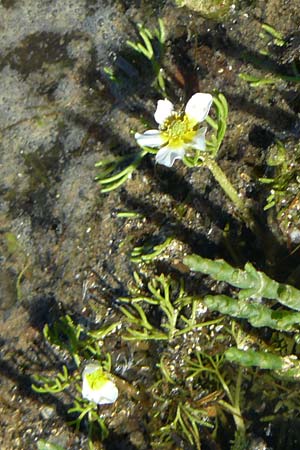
[198, 142]
[107, 393]
[151, 138]
[198, 106]
[87, 392]
[167, 155]
[163, 111]
[90, 368]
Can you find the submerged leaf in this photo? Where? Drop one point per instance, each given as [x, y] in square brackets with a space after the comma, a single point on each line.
[287, 366]
[257, 314]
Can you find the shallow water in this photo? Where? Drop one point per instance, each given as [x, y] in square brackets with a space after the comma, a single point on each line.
[61, 244]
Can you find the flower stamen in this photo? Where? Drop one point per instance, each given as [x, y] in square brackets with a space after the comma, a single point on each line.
[178, 128]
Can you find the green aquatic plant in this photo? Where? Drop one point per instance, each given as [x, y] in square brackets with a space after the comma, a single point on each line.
[271, 37]
[178, 413]
[151, 47]
[285, 172]
[257, 81]
[184, 420]
[75, 339]
[253, 284]
[180, 137]
[148, 252]
[188, 396]
[284, 187]
[54, 385]
[191, 394]
[169, 300]
[128, 214]
[95, 386]
[203, 363]
[162, 311]
[196, 389]
[283, 366]
[257, 314]
[116, 171]
[14, 250]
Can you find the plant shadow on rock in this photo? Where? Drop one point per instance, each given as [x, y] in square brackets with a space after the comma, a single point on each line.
[218, 40]
[17, 365]
[37, 49]
[246, 247]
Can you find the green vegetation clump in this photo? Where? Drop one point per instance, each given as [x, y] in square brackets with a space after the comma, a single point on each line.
[255, 287]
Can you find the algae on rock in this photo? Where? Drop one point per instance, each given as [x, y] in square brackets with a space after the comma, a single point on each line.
[211, 9]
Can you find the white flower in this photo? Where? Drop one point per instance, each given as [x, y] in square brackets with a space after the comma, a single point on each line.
[177, 131]
[97, 387]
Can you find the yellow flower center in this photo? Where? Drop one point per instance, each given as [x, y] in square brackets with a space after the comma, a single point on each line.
[96, 379]
[178, 129]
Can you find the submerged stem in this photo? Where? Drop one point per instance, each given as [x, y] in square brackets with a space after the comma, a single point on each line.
[225, 184]
[238, 420]
[231, 192]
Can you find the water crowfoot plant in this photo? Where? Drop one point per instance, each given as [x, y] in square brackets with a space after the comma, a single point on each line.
[95, 387]
[45, 445]
[272, 38]
[283, 185]
[114, 172]
[204, 363]
[147, 252]
[169, 299]
[179, 136]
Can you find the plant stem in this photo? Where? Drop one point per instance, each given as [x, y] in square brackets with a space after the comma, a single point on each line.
[225, 184]
[234, 407]
[238, 420]
[231, 192]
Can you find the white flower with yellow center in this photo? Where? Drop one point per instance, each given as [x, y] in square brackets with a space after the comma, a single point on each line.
[177, 131]
[97, 387]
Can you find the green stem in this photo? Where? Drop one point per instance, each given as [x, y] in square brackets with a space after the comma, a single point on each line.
[232, 193]
[238, 420]
[225, 184]
[234, 408]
